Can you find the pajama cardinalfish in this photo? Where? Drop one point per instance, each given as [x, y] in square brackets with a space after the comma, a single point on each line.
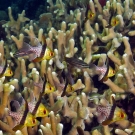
[34, 50]
[114, 21]
[44, 86]
[110, 114]
[103, 72]
[37, 108]
[5, 70]
[22, 118]
[89, 15]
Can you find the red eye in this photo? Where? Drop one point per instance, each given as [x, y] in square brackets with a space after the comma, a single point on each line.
[50, 88]
[122, 115]
[51, 53]
[44, 111]
[34, 121]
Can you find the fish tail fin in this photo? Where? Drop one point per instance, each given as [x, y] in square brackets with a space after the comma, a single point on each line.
[25, 50]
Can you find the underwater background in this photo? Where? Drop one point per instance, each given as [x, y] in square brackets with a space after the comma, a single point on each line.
[67, 67]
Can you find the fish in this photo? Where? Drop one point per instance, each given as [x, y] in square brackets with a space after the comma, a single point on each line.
[111, 72]
[5, 70]
[47, 55]
[104, 72]
[101, 71]
[114, 21]
[34, 50]
[22, 118]
[48, 52]
[90, 15]
[110, 113]
[37, 108]
[76, 62]
[64, 89]
[69, 88]
[44, 86]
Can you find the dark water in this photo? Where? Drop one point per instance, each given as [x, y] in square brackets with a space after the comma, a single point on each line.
[33, 8]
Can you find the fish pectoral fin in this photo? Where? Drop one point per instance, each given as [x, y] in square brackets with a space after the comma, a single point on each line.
[107, 122]
[18, 127]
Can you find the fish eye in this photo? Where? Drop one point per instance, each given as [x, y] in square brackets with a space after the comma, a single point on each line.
[34, 121]
[51, 54]
[44, 111]
[72, 88]
[122, 115]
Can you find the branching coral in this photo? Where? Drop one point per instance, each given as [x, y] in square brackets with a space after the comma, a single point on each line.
[97, 40]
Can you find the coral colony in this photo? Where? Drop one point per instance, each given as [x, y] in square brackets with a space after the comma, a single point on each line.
[71, 72]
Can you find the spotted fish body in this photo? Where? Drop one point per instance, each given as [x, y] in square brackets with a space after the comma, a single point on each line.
[103, 112]
[34, 50]
[37, 108]
[45, 87]
[22, 118]
[110, 113]
[102, 71]
[17, 116]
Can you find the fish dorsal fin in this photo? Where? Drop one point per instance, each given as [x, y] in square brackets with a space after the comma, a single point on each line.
[43, 51]
[111, 115]
[64, 90]
[44, 84]
[44, 46]
[44, 40]
[4, 66]
[37, 104]
[25, 113]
